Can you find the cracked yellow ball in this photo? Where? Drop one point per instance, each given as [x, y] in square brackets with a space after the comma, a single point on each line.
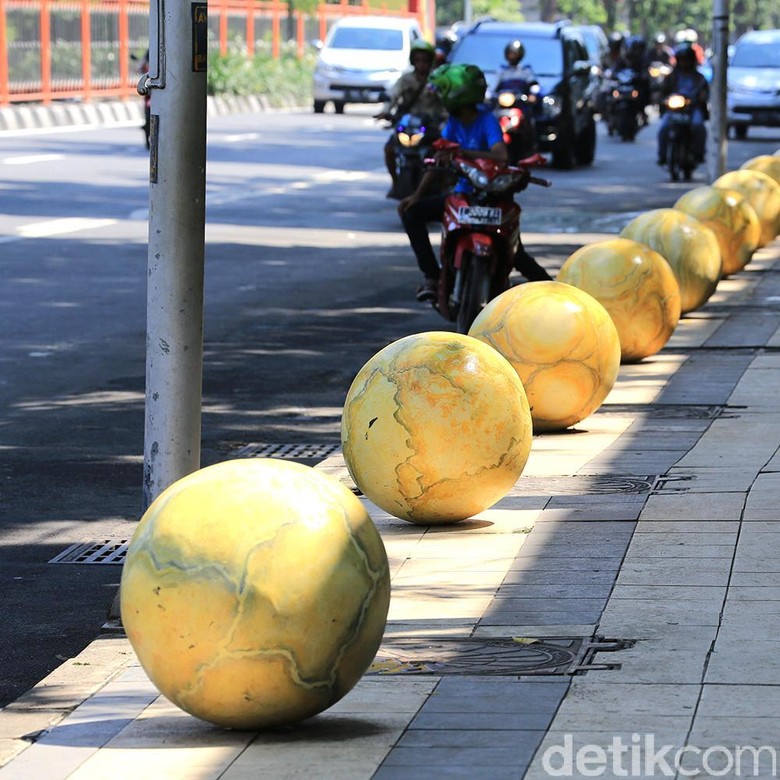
[255, 592]
[635, 285]
[763, 194]
[436, 428]
[563, 345]
[689, 247]
[766, 163]
[730, 217]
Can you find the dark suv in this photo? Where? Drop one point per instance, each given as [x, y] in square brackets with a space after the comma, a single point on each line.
[557, 54]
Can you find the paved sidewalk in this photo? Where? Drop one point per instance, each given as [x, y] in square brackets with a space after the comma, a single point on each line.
[653, 521]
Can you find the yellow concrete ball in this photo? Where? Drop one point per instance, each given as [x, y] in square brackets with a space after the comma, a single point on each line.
[689, 247]
[732, 220]
[635, 285]
[763, 194]
[563, 345]
[436, 428]
[255, 592]
[766, 163]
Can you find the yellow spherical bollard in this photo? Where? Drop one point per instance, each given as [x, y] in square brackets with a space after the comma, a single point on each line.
[689, 247]
[436, 428]
[635, 285]
[255, 592]
[763, 194]
[765, 163]
[730, 217]
[563, 345]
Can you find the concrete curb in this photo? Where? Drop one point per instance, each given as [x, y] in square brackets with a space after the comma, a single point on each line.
[34, 116]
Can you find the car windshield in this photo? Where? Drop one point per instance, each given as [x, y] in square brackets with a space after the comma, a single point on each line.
[374, 39]
[759, 53]
[543, 55]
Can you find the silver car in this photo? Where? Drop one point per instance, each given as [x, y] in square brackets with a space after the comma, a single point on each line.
[753, 97]
[361, 59]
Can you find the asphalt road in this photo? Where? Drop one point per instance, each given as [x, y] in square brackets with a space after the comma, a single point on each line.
[307, 275]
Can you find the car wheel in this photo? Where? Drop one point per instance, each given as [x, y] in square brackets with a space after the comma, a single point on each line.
[338, 106]
[563, 156]
[319, 106]
[586, 144]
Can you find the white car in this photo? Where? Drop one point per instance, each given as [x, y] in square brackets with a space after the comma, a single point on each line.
[361, 59]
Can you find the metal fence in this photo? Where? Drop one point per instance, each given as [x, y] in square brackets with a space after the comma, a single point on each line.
[83, 49]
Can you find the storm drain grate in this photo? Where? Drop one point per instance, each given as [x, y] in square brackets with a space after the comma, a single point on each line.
[111, 551]
[288, 451]
[668, 411]
[586, 485]
[502, 656]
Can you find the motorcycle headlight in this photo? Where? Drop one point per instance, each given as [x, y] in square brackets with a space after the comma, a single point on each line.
[676, 102]
[410, 139]
[506, 99]
[478, 178]
[502, 182]
[654, 72]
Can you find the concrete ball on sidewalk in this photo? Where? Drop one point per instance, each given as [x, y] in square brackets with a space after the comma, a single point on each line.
[635, 285]
[763, 194]
[689, 247]
[436, 428]
[255, 592]
[730, 217]
[563, 345]
[765, 163]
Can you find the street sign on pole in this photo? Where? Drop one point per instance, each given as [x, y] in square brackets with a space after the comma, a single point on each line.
[718, 144]
[177, 215]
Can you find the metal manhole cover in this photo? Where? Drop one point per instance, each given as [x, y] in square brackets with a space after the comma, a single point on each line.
[288, 451]
[587, 485]
[504, 656]
[110, 551]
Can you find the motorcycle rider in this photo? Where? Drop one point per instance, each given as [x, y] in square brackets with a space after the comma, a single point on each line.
[689, 37]
[472, 125]
[686, 80]
[409, 94]
[660, 52]
[633, 58]
[513, 75]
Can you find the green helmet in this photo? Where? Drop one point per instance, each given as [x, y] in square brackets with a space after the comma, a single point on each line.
[459, 85]
[423, 46]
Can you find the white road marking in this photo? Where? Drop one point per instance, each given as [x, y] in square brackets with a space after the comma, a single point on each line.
[56, 227]
[32, 158]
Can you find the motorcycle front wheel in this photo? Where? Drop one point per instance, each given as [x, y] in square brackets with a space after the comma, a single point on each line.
[476, 292]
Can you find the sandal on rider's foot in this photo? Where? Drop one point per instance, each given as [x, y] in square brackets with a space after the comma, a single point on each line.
[428, 290]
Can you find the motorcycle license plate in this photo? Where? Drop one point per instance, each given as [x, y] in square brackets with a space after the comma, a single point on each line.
[479, 215]
[681, 119]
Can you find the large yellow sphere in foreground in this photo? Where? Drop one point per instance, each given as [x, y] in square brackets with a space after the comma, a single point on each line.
[255, 592]
[763, 194]
[436, 428]
[563, 345]
[689, 247]
[766, 163]
[635, 285]
[730, 217]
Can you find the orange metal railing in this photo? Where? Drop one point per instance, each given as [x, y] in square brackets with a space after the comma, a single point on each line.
[84, 49]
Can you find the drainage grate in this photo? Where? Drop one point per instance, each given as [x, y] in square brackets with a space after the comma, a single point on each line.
[586, 485]
[111, 551]
[667, 411]
[288, 451]
[504, 656]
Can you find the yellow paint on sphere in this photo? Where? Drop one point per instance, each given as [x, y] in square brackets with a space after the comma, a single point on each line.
[763, 194]
[766, 163]
[635, 285]
[730, 217]
[436, 428]
[563, 345]
[255, 592]
[689, 247]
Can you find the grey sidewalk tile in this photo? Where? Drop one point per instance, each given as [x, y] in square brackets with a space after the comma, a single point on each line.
[479, 738]
[717, 480]
[552, 563]
[495, 703]
[575, 577]
[465, 772]
[675, 526]
[537, 630]
[648, 618]
[501, 606]
[666, 592]
[566, 616]
[627, 513]
[692, 507]
[512, 721]
[595, 531]
[634, 461]
[755, 579]
[727, 663]
[762, 503]
[681, 546]
[470, 685]
[567, 590]
[740, 701]
[678, 572]
[438, 759]
[747, 593]
[607, 549]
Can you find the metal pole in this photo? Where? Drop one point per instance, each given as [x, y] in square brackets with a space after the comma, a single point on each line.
[174, 334]
[718, 144]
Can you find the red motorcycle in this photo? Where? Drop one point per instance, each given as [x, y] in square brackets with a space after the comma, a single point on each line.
[480, 233]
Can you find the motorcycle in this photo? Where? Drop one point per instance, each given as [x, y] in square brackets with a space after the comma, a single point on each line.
[413, 137]
[657, 73]
[514, 105]
[623, 114]
[680, 152]
[480, 233]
